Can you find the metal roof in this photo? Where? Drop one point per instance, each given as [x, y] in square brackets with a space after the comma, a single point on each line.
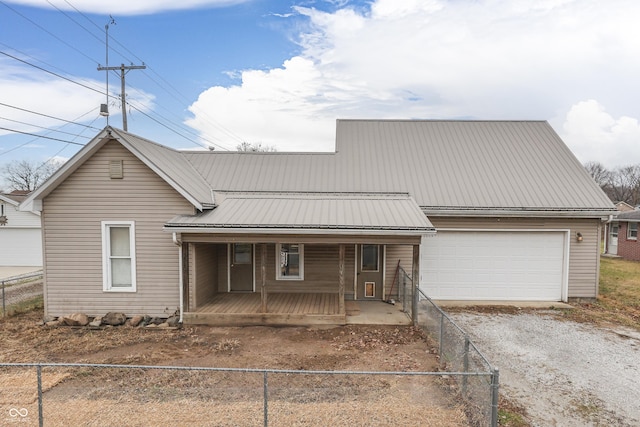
[170, 164]
[470, 165]
[449, 166]
[329, 212]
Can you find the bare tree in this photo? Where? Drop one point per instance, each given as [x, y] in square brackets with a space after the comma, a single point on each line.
[600, 174]
[255, 147]
[626, 184]
[27, 175]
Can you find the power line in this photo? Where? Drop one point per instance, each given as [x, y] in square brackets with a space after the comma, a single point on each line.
[51, 117]
[50, 72]
[167, 127]
[40, 136]
[66, 145]
[73, 20]
[181, 127]
[41, 127]
[49, 32]
[177, 95]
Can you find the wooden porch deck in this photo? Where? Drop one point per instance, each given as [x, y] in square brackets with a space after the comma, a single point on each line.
[233, 309]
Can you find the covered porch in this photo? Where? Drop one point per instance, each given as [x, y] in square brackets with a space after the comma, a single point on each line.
[295, 309]
[248, 262]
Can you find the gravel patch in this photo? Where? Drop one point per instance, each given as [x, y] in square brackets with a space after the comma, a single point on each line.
[564, 373]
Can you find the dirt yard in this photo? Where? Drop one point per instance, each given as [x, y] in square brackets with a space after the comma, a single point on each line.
[92, 396]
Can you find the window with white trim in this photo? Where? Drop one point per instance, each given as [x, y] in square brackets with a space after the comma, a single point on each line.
[632, 230]
[118, 256]
[290, 258]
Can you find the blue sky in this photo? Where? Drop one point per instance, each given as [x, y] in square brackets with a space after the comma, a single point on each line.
[281, 72]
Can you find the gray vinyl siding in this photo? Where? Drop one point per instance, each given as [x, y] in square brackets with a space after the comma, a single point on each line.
[404, 253]
[72, 218]
[583, 256]
[320, 264]
[223, 268]
[205, 266]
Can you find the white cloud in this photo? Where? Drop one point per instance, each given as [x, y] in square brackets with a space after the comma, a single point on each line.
[488, 59]
[594, 135]
[128, 7]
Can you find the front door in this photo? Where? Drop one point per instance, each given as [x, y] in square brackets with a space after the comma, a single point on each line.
[613, 239]
[241, 267]
[369, 284]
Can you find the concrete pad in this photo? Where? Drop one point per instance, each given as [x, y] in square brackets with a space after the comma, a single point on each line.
[6, 272]
[521, 304]
[375, 313]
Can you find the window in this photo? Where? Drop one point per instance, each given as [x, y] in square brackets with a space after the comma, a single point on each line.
[290, 261]
[242, 253]
[118, 256]
[614, 230]
[632, 230]
[370, 257]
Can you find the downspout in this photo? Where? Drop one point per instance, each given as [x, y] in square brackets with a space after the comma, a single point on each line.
[606, 234]
[178, 243]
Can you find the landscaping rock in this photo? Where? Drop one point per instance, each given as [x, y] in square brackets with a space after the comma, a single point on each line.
[156, 320]
[173, 321]
[49, 318]
[96, 322]
[76, 319]
[163, 325]
[114, 319]
[53, 323]
[136, 320]
[146, 320]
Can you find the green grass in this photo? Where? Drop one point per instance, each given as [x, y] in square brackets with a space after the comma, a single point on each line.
[511, 419]
[23, 306]
[619, 298]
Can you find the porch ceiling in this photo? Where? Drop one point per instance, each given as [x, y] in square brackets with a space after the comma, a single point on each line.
[308, 213]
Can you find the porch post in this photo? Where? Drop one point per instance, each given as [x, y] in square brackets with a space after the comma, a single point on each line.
[415, 275]
[263, 276]
[341, 279]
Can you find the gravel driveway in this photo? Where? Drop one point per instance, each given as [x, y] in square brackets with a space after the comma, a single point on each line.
[564, 373]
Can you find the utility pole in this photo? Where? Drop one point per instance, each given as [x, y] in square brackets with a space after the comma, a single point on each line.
[123, 70]
[104, 108]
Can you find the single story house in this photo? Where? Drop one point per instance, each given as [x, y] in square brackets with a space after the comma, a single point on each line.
[472, 210]
[20, 234]
[622, 239]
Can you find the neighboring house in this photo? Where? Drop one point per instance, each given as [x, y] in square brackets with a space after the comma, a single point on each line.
[623, 236]
[20, 237]
[478, 210]
[624, 207]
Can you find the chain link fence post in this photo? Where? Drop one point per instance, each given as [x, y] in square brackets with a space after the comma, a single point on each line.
[266, 399]
[4, 307]
[495, 385]
[441, 337]
[465, 365]
[40, 414]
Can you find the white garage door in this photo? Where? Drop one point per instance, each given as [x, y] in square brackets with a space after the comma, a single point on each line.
[20, 247]
[494, 265]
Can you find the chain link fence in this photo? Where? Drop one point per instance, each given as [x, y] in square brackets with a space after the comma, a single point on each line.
[16, 290]
[98, 395]
[83, 394]
[458, 354]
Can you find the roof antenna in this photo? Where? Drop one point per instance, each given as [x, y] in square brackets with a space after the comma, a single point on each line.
[104, 108]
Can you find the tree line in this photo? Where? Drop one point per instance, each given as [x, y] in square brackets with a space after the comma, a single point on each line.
[621, 184]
